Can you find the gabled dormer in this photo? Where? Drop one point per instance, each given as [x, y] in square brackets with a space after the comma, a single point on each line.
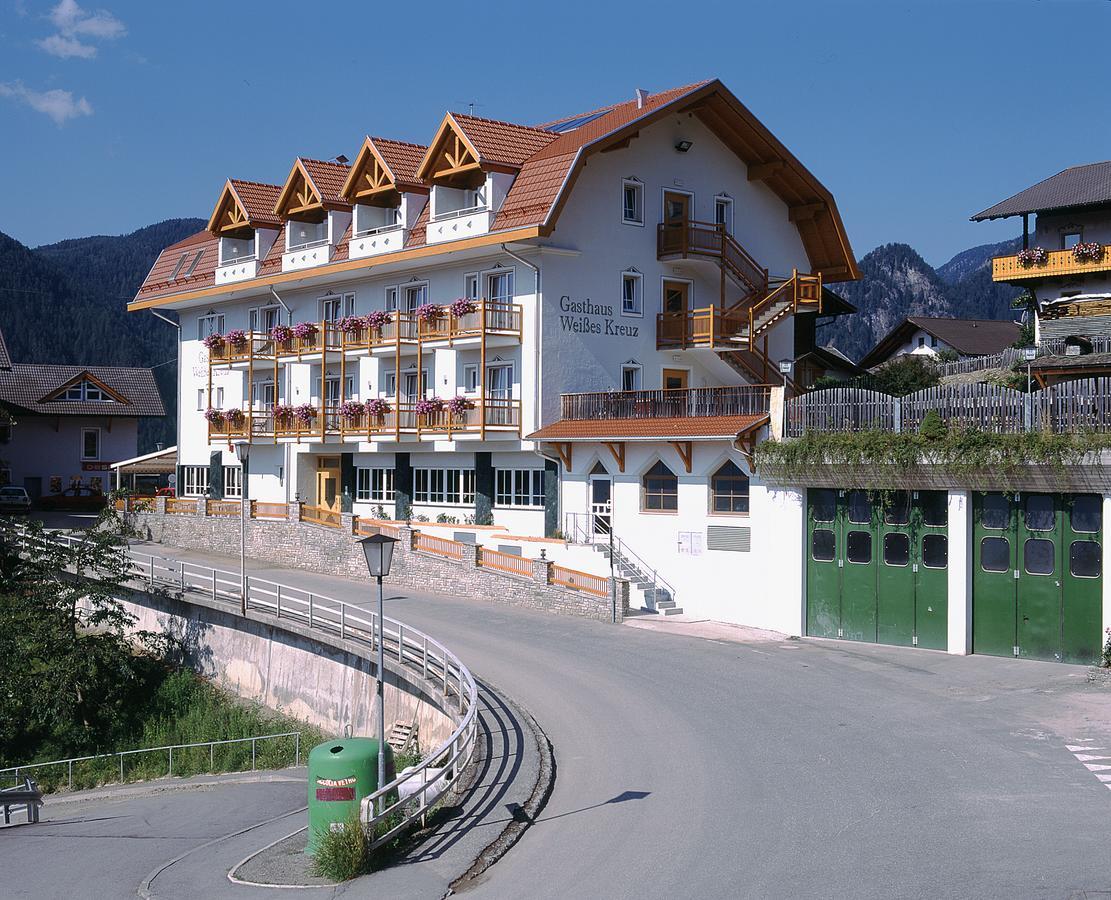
[84, 388]
[469, 167]
[245, 225]
[385, 194]
[315, 214]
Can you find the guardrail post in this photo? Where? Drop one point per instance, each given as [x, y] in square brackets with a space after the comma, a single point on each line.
[400, 643]
[121, 768]
[278, 597]
[152, 571]
[182, 577]
[297, 749]
[171, 761]
[213, 584]
[310, 608]
[211, 756]
[253, 743]
[343, 624]
[71, 774]
[424, 659]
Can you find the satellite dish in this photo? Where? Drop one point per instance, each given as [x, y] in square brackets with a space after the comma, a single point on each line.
[171, 480]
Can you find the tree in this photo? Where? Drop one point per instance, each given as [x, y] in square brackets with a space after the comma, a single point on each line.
[905, 375]
[70, 669]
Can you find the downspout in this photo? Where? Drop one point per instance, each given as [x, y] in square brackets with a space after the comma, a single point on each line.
[536, 348]
[288, 395]
[179, 404]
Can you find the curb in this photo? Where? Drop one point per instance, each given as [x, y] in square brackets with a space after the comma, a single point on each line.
[524, 817]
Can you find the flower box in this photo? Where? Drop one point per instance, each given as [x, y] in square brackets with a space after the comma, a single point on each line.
[429, 312]
[305, 331]
[304, 414]
[212, 416]
[464, 306]
[281, 334]
[214, 341]
[351, 410]
[351, 324]
[1088, 251]
[428, 406]
[377, 408]
[237, 339]
[457, 406]
[377, 320]
[1033, 256]
[234, 417]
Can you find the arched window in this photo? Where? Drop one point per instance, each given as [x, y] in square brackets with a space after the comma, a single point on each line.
[660, 489]
[729, 489]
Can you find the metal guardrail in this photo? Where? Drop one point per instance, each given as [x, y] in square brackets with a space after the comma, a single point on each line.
[28, 795]
[408, 647]
[168, 748]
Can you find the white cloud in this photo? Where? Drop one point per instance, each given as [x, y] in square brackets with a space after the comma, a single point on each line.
[58, 104]
[73, 24]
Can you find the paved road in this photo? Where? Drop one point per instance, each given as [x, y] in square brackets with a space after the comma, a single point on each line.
[692, 768]
[696, 768]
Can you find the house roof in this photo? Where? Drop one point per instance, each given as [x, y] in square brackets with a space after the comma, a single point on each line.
[24, 386]
[672, 428]
[831, 358]
[254, 200]
[969, 337]
[322, 178]
[5, 358]
[547, 161]
[159, 462]
[1087, 185]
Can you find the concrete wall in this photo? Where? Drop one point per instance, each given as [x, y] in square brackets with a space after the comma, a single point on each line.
[288, 670]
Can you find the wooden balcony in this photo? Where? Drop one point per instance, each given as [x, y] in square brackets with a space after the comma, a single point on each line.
[1060, 262]
[688, 239]
[725, 400]
[489, 319]
[482, 418]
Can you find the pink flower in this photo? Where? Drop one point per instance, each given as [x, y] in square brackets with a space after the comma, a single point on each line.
[305, 330]
[462, 307]
[213, 341]
[458, 405]
[377, 407]
[212, 416]
[429, 312]
[429, 406]
[237, 338]
[281, 333]
[378, 319]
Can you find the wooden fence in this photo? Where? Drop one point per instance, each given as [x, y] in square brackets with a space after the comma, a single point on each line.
[441, 546]
[320, 515]
[367, 527]
[181, 505]
[262, 510]
[1071, 406]
[223, 508]
[598, 585]
[504, 562]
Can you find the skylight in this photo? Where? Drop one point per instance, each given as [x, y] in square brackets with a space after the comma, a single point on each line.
[193, 264]
[577, 122]
[178, 267]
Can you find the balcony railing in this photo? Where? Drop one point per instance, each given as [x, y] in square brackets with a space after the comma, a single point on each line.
[493, 414]
[1060, 262]
[726, 400]
[490, 317]
[689, 238]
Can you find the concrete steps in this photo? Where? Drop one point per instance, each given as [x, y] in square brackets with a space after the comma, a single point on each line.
[656, 598]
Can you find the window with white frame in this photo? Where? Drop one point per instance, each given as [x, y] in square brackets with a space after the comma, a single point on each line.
[263, 318]
[233, 482]
[305, 234]
[194, 480]
[499, 286]
[723, 212]
[202, 399]
[630, 377]
[632, 303]
[374, 485]
[334, 307]
[729, 490]
[632, 202]
[263, 395]
[470, 378]
[211, 323]
[415, 295]
[391, 299]
[519, 487]
[90, 443]
[448, 487]
[470, 285]
[83, 390]
[389, 384]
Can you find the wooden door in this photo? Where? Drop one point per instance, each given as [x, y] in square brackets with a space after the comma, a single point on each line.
[677, 208]
[327, 483]
[675, 379]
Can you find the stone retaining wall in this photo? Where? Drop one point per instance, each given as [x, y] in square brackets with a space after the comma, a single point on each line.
[335, 551]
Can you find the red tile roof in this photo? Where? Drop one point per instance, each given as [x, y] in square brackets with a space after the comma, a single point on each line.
[328, 179]
[403, 159]
[664, 428]
[502, 143]
[258, 201]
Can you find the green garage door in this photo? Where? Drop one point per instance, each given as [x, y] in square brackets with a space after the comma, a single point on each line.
[1037, 579]
[878, 575]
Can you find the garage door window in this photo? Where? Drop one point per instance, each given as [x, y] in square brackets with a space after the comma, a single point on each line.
[935, 508]
[896, 549]
[860, 509]
[822, 545]
[935, 551]
[823, 504]
[1039, 512]
[1084, 559]
[1086, 515]
[995, 554]
[859, 547]
[995, 511]
[1037, 556]
[897, 509]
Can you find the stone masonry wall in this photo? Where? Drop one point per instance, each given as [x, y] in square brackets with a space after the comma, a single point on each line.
[335, 551]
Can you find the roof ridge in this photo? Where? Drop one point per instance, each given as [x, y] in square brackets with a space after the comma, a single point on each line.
[501, 122]
[958, 319]
[396, 141]
[324, 162]
[612, 106]
[254, 183]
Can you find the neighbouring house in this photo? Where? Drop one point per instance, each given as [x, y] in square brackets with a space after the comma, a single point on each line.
[70, 423]
[1065, 263]
[556, 329]
[930, 336]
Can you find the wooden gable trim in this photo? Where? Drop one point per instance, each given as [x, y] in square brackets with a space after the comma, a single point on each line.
[229, 214]
[299, 194]
[370, 177]
[92, 379]
[617, 451]
[685, 449]
[450, 153]
[566, 451]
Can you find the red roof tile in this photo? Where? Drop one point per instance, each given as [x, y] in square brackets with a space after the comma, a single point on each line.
[502, 143]
[258, 201]
[664, 428]
[328, 179]
[402, 158]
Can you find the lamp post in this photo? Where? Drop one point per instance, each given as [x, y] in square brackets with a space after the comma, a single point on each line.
[242, 453]
[1029, 354]
[378, 550]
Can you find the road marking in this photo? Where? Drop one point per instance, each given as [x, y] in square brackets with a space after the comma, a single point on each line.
[1075, 748]
[1086, 757]
[1092, 767]
[1087, 754]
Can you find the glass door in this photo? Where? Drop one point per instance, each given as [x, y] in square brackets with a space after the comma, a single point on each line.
[601, 504]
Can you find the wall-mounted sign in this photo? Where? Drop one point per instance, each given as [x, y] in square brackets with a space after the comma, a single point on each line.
[95, 466]
[586, 317]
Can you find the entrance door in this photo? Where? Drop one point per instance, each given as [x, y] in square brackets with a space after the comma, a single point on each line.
[858, 576]
[895, 573]
[327, 483]
[824, 554]
[601, 504]
[677, 208]
[931, 564]
[675, 379]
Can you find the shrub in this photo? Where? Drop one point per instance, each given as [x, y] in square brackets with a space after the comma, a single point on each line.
[342, 853]
[1107, 650]
[905, 375]
[932, 427]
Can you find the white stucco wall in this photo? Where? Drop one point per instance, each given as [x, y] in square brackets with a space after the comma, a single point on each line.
[47, 446]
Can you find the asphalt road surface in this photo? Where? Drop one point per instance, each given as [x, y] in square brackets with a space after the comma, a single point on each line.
[689, 767]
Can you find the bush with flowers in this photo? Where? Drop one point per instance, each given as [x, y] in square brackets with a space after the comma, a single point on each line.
[283, 413]
[281, 334]
[234, 417]
[305, 331]
[377, 319]
[212, 416]
[458, 405]
[1033, 256]
[1088, 251]
[429, 312]
[427, 406]
[304, 414]
[462, 307]
[213, 341]
[350, 410]
[376, 407]
[350, 324]
[236, 338]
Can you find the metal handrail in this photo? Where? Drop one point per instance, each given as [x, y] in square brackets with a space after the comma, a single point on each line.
[409, 647]
[16, 770]
[576, 529]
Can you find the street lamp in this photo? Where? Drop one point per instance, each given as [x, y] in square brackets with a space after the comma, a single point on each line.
[242, 452]
[378, 550]
[1029, 354]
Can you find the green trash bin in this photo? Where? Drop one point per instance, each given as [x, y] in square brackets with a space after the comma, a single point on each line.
[341, 773]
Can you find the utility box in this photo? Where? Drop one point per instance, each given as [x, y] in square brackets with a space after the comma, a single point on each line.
[341, 773]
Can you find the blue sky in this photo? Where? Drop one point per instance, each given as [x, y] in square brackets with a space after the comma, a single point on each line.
[916, 114]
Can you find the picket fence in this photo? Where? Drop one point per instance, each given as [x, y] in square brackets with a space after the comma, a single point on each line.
[1071, 406]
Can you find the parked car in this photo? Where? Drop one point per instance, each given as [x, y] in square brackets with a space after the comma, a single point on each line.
[78, 499]
[14, 500]
[164, 492]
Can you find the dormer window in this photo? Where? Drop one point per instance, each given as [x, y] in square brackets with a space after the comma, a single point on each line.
[373, 219]
[83, 391]
[386, 196]
[316, 216]
[301, 234]
[237, 249]
[245, 225]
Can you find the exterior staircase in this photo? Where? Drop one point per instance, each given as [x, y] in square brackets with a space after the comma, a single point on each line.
[655, 594]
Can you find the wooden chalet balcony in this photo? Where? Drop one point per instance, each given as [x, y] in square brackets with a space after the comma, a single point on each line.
[490, 319]
[704, 239]
[482, 418]
[1060, 262]
[726, 400]
[735, 327]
